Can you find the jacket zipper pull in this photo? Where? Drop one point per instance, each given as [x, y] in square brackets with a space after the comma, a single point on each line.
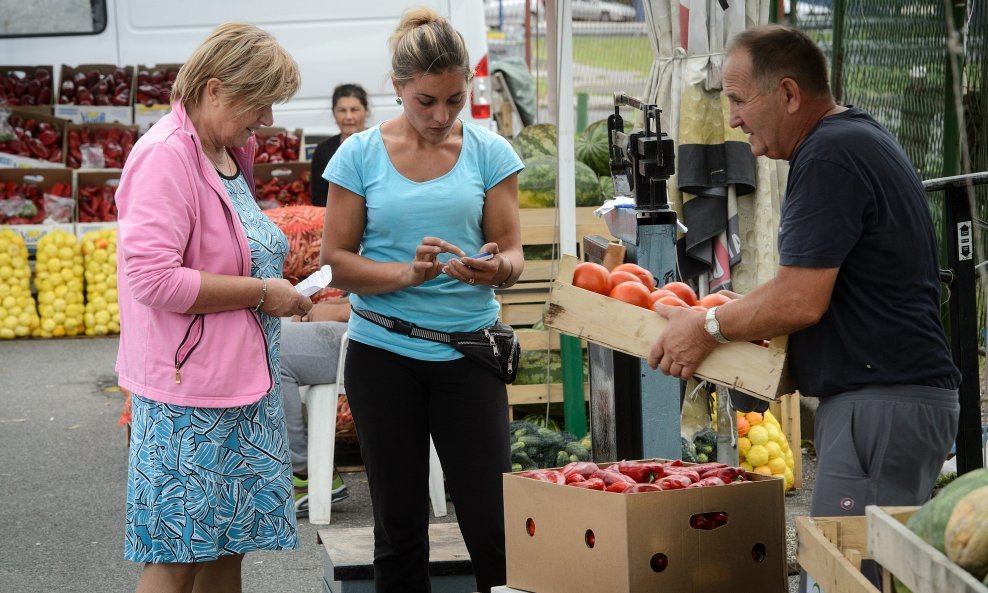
[490, 337]
[178, 373]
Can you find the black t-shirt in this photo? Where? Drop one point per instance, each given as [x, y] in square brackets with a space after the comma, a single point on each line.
[319, 187]
[854, 201]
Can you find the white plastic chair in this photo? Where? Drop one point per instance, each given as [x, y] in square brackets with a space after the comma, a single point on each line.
[320, 401]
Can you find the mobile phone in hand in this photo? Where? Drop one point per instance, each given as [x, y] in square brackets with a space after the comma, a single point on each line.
[482, 256]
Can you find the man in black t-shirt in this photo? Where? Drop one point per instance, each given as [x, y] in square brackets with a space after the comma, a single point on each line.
[857, 285]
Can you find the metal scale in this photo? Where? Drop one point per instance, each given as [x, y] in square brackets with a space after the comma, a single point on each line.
[635, 411]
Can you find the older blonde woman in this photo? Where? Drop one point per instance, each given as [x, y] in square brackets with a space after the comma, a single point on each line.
[201, 297]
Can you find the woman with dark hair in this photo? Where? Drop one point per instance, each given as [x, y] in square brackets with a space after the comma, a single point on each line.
[350, 111]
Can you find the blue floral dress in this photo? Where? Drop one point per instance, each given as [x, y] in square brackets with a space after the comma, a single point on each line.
[211, 482]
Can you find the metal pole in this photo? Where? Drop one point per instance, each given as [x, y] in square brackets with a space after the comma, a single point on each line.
[952, 89]
[837, 64]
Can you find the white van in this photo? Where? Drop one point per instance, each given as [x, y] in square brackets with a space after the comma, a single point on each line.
[334, 42]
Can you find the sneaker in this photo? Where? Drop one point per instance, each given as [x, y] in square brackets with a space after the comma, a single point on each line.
[339, 488]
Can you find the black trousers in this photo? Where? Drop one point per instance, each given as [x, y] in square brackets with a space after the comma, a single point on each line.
[397, 402]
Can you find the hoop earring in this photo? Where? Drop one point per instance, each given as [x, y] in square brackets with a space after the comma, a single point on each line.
[398, 100]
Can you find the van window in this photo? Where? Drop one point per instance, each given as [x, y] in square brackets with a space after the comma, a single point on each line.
[61, 17]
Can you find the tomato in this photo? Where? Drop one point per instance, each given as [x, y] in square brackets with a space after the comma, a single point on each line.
[683, 291]
[671, 301]
[633, 293]
[592, 277]
[714, 299]
[658, 293]
[644, 275]
[619, 277]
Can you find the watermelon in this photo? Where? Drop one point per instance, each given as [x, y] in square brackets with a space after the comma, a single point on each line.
[537, 184]
[591, 148]
[536, 140]
[606, 187]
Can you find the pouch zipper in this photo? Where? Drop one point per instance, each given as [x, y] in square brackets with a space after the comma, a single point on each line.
[181, 360]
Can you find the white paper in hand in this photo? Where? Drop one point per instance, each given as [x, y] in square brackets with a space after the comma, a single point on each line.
[319, 280]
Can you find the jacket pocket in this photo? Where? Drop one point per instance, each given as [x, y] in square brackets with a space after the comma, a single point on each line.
[189, 343]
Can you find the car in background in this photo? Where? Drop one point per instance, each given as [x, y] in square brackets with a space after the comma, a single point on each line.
[498, 13]
[602, 10]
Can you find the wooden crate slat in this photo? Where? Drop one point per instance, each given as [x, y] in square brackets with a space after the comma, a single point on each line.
[540, 394]
[539, 270]
[920, 566]
[538, 340]
[522, 314]
[821, 552]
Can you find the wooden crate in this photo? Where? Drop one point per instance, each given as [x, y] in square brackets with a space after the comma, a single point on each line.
[626, 328]
[522, 305]
[830, 549]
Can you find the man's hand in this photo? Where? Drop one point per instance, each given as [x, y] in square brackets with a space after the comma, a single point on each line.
[683, 345]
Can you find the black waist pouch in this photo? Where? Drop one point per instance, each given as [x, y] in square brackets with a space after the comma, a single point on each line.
[494, 348]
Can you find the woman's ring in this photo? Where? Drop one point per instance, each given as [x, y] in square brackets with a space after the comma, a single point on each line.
[472, 281]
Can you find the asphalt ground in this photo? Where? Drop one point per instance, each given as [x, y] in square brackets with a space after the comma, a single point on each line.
[63, 471]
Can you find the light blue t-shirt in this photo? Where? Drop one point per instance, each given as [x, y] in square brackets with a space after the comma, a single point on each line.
[400, 212]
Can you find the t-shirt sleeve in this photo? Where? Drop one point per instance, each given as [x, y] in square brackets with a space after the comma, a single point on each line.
[501, 160]
[345, 169]
[823, 215]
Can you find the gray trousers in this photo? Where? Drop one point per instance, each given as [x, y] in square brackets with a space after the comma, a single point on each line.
[880, 445]
[310, 352]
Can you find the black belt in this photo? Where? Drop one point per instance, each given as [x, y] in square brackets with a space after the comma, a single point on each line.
[400, 326]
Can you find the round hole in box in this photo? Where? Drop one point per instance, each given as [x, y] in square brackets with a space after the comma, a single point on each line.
[758, 552]
[589, 538]
[530, 526]
[658, 562]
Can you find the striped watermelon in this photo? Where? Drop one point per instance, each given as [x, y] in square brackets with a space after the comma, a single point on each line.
[591, 147]
[536, 140]
[537, 184]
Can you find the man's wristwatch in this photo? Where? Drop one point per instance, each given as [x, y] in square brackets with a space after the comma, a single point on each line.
[713, 326]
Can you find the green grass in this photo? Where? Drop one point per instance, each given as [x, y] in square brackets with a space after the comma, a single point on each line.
[611, 53]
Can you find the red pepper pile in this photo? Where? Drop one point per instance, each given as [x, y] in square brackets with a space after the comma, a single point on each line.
[26, 88]
[97, 204]
[33, 139]
[115, 143]
[639, 476]
[24, 203]
[96, 88]
[283, 191]
[282, 147]
[155, 87]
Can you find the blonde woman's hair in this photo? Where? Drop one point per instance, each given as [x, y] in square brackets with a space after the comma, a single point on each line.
[425, 43]
[253, 69]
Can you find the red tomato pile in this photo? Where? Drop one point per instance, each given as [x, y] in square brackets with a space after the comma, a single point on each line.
[96, 88]
[114, 143]
[33, 139]
[279, 148]
[634, 284]
[155, 87]
[26, 88]
[648, 475]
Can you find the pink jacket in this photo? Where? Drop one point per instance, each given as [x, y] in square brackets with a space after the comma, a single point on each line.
[175, 219]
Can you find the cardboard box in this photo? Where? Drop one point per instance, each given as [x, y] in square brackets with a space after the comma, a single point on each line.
[148, 110]
[88, 178]
[749, 368]
[831, 550]
[90, 131]
[644, 542]
[59, 125]
[26, 74]
[285, 173]
[81, 228]
[264, 133]
[96, 113]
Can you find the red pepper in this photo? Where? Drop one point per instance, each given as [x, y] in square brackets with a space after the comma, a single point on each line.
[272, 145]
[709, 481]
[571, 478]
[545, 475]
[691, 475]
[727, 474]
[674, 482]
[702, 468]
[610, 477]
[582, 468]
[619, 487]
[642, 488]
[592, 484]
[641, 471]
